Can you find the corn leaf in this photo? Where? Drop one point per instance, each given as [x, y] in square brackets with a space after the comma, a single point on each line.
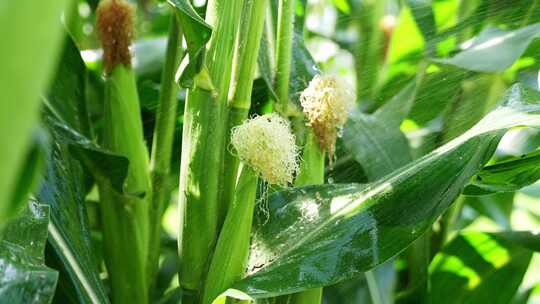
[24, 278]
[473, 266]
[197, 33]
[63, 191]
[506, 176]
[375, 141]
[494, 50]
[63, 188]
[321, 235]
[23, 49]
[423, 14]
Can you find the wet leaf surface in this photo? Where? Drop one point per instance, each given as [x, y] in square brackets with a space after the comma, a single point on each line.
[320, 235]
[24, 278]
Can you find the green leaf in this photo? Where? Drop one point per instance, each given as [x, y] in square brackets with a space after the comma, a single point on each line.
[69, 231]
[21, 82]
[525, 239]
[63, 188]
[423, 14]
[435, 94]
[172, 297]
[67, 91]
[303, 66]
[397, 109]
[506, 176]
[30, 176]
[377, 144]
[497, 207]
[405, 49]
[102, 163]
[375, 141]
[525, 296]
[320, 235]
[24, 278]
[66, 117]
[474, 265]
[493, 50]
[342, 5]
[477, 97]
[378, 148]
[197, 33]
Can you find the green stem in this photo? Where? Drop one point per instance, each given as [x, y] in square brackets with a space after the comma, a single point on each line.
[446, 222]
[311, 173]
[205, 120]
[284, 53]
[197, 194]
[123, 244]
[243, 77]
[125, 216]
[162, 145]
[418, 258]
[370, 49]
[230, 257]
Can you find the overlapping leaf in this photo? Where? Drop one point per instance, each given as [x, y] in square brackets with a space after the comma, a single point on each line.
[197, 33]
[24, 278]
[62, 189]
[494, 50]
[498, 207]
[509, 175]
[63, 185]
[303, 66]
[473, 264]
[66, 117]
[30, 175]
[21, 82]
[320, 235]
[375, 141]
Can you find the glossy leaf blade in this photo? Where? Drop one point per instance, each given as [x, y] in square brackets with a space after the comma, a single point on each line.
[63, 188]
[494, 50]
[69, 229]
[30, 176]
[24, 278]
[103, 163]
[316, 236]
[509, 175]
[322, 235]
[67, 91]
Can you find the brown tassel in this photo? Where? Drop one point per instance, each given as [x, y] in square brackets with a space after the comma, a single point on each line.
[114, 20]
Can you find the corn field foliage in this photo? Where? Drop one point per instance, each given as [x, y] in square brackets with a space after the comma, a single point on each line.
[269, 151]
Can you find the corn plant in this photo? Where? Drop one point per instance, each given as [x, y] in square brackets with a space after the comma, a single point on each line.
[269, 151]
